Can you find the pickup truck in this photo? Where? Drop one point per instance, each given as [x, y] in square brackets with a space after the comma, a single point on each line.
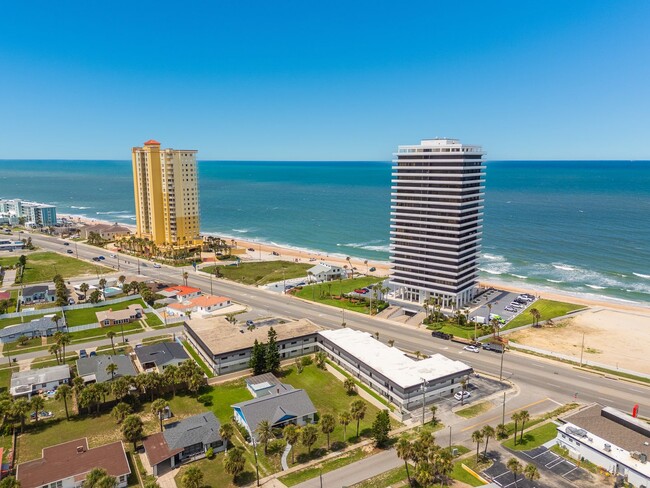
[494, 346]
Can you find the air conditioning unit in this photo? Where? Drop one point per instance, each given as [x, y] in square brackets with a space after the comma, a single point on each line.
[643, 457]
[608, 447]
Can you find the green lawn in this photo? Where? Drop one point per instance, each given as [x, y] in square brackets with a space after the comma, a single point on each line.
[462, 475]
[549, 309]
[100, 332]
[42, 266]
[33, 344]
[215, 476]
[451, 327]
[385, 480]
[328, 293]
[152, 320]
[363, 386]
[474, 410]
[533, 438]
[83, 316]
[198, 359]
[263, 272]
[5, 376]
[309, 473]
[47, 361]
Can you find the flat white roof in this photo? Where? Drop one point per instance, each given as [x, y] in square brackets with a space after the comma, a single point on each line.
[390, 361]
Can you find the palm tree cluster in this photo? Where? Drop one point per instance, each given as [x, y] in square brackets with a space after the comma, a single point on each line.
[536, 316]
[485, 434]
[432, 310]
[433, 464]
[61, 290]
[522, 416]
[61, 340]
[142, 246]
[516, 468]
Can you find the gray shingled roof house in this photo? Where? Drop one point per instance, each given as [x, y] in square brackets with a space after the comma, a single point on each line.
[159, 356]
[279, 405]
[37, 293]
[183, 441]
[41, 327]
[93, 369]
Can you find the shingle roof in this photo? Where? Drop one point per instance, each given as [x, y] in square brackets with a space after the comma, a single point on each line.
[161, 353]
[192, 430]
[262, 378]
[294, 403]
[22, 381]
[65, 460]
[131, 311]
[42, 324]
[31, 290]
[95, 366]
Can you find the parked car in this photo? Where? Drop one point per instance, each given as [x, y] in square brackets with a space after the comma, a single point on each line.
[70, 301]
[493, 346]
[101, 258]
[472, 348]
[360, 291]
[113, 255]
[83, 354]
[441, 335]
[43, 414]
[66, 243]
[93, 354]
[372, 269]
[249, 323]
[156, 265]
[70, 251]
[251, 249]
[462, 395]
[96, 258]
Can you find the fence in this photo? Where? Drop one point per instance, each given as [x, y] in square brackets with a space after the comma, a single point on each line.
[79, 306]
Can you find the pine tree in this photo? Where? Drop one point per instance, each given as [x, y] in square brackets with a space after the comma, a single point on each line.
[272, 354]
[258, 358]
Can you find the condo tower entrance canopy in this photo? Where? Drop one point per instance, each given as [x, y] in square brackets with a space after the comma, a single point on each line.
[436, 222]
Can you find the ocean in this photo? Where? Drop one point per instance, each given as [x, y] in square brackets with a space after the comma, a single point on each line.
[577, 226]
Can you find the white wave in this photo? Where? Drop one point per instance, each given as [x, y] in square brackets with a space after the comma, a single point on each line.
[375, 245]
[519, 276]
[490, 271]
[647, 277]
[113, 212]
[493, 257]
[241, 231]
[79, 208]
[564, 267]
[555, 281]
[596, 287]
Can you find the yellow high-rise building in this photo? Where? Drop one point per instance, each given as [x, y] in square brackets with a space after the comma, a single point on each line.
[165, 184]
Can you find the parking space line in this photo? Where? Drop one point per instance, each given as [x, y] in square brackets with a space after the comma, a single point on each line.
[504, 473]
[575, 467]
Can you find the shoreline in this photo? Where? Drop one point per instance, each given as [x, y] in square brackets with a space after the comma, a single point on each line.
[382, 268]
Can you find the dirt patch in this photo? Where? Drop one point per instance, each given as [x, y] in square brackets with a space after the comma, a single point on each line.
[612, 337]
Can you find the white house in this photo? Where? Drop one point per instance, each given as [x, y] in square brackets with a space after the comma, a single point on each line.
[26, 383]
[326, 272]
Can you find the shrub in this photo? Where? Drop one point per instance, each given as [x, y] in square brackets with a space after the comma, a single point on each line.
[206, 400]
[209, 453]
[307, 361]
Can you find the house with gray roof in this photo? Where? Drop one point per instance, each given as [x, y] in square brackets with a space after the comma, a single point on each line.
[158, 356]
[183, 441]
[93, 369]
[27, 383]
[326, 272]
[279, 405]
[37, 294]
[41, 327]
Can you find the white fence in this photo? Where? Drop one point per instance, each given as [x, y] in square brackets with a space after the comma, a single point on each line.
[79, 306]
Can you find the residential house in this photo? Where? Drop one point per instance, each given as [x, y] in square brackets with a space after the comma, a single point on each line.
[226, 348]
[204, 304]
[326, 272]
[108, 232]
[67, 465]
[41, 327]
[110, 317]
[27, 383]
[160, 356]
[279, 405]
[183, 441]
[93, 369]
[37, 294]
[181, 293]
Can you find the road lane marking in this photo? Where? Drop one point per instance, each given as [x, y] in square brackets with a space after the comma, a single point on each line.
[557, 403]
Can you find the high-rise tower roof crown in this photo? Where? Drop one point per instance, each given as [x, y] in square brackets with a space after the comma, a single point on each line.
[152, 142]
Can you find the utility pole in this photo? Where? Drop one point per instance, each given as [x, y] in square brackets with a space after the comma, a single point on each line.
[210, 283]
[450, 439]
[424, 389]
[76, 250]
[503, 353]
[503, 414]
[343, 320]
[582, 349]
[257, 468]
[138, 265]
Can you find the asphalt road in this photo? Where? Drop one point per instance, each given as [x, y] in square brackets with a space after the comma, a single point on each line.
[558, 380]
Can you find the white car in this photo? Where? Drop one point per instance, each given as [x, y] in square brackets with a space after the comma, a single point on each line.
[156, 265]
[472, 348]
[113, 255]
[464, 395]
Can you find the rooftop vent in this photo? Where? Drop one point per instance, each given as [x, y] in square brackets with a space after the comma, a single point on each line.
[643, 458]
[81, 449]
[608, 447]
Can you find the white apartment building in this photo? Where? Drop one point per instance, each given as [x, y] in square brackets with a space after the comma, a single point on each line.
[35, 214]
[436, 222]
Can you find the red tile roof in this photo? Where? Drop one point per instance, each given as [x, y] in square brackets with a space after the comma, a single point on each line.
[5, 295]
[208, 300]
[182, 290]
[152, 142]
[72, 459]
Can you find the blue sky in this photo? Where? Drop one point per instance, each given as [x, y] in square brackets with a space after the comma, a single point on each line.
[303, 80]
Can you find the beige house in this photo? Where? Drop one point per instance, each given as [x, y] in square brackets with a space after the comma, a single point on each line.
[106, 231]
[117, 317]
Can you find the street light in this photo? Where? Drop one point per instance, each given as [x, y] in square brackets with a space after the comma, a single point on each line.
[257, 468]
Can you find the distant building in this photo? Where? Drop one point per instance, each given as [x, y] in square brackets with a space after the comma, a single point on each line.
[93, 369]
[109, 317]
[183, 440]
[166, 195]
[157, 357]
[108, 232]
[67, 465]
[326, 272]
[37, 294]
[37, 214]
[226, 347]
[9, 245]
[609, 438]
[27, 383]
[436, 223]
[390, 372]
[41, 327]
[277, 403]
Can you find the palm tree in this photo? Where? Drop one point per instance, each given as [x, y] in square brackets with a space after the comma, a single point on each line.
[488, 431]
[308, 436]
[158, 407]
[515, 418]
[515, 467]
[56, 318]
[233, 463]
[536, 316]
[186, 275]
[54, 350]
[327, 425]
[37, 403]
[19, 410]
[63, 392]
[404, 450]
[463, 385]
[83, 288]
[524, 417]
[531, 472]
[132, 429]
[121, 411]
[264, 433]
[170, 377]
[365, 261]
[502, 432]
[358, 412]
[350, 386]
[291, 434]
[111, 368]
[351, 267]
[344, 419]
[226, 431]
[62, 339]
[477, 436]
[110, 334]
[192, 477]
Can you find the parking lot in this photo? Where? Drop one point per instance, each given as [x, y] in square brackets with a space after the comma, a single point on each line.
[499, 300]
[544, 458]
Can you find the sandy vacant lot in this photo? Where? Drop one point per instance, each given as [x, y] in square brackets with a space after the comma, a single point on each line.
[611, 337]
